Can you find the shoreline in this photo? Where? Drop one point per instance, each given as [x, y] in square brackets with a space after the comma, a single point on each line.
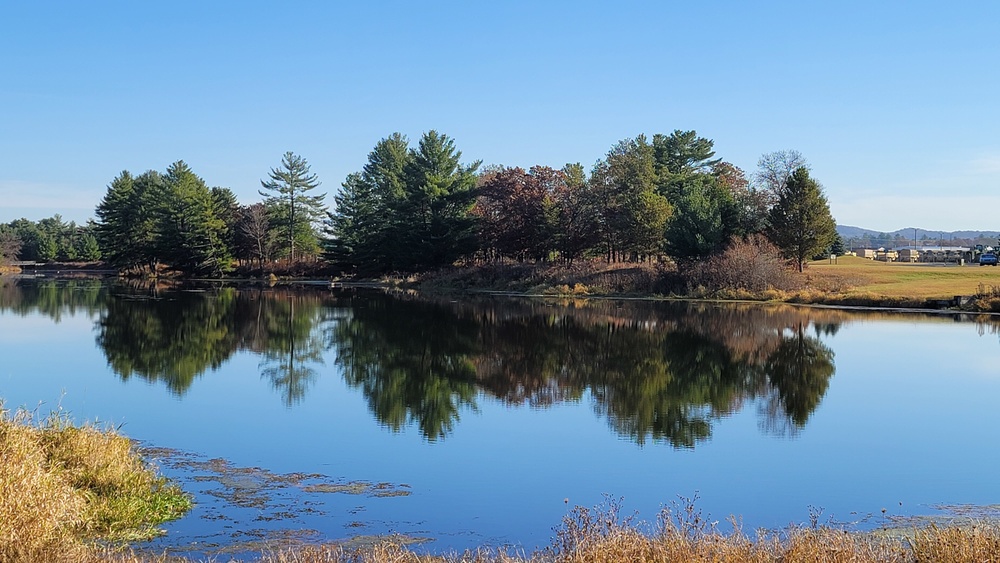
[624, 281]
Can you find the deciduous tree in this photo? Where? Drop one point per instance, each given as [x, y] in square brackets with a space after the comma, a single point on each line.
[774, 169]
[575, 216]
[515, 212]
[10, 244]
[254, 237]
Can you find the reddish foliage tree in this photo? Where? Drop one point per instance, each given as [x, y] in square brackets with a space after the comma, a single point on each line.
[516, 212]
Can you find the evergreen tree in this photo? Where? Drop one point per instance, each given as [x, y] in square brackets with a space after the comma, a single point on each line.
[191, 234]
[294, 211]
[705, 217]
[87, 248]
[365, 226]
[227, 208]
[632, 216]
[837, 248]
[800, 221]
[681, 154]
[435, 226]
[125, 227]
[350, 226]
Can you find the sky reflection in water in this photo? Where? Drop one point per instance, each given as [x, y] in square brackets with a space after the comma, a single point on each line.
[489, 413]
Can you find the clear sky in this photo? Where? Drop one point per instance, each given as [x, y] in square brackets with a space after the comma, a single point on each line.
[894, 104]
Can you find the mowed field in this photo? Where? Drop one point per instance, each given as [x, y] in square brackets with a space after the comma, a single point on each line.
[851, 275]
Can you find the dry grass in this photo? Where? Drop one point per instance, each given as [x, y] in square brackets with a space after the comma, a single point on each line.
[61, 486]
[601, 536]
[859, 276]
[38, 509]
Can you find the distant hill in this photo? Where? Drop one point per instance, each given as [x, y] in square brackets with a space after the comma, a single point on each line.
[848, 232]
[853, 235]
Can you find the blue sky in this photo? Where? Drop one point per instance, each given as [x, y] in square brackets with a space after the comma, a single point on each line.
[894, 104]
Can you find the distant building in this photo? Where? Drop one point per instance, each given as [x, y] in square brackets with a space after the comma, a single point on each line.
[934, 254]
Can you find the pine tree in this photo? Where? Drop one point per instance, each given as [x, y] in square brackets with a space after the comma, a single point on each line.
[293, 210]
[705, 217]
[364, 227]
[800, 222]
[435, 225]
[191, 233]
[125, 229]
[632, 216]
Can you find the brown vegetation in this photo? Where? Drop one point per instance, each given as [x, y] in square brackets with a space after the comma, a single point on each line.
[61, 486]
[752, 265]
[579, 278]
[56, 481]
[600, 536]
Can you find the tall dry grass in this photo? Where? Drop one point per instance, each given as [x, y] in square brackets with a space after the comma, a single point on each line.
[62, 485]
[682, 535]
[38, 508]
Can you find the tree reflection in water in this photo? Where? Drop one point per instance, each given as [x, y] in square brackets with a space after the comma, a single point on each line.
[657, 372]
[412, 362]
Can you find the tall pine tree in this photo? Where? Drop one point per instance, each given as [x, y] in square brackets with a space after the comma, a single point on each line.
[126, 224]
[294, 211]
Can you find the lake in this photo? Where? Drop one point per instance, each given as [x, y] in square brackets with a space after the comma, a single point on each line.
[305, 413]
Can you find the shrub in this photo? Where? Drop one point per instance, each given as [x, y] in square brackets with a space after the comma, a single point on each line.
[751, 264]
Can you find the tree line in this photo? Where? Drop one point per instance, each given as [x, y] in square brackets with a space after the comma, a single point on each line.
[48, 240]
[411, 209]
[417, 208]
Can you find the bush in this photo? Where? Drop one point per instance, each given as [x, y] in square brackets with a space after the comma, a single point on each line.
[752, 264]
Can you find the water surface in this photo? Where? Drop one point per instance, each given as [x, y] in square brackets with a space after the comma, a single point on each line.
[318, 414]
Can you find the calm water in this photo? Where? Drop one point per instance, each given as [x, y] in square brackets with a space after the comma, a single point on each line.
[316, 414]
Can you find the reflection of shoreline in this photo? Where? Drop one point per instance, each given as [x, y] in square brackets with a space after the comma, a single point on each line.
[657, 371]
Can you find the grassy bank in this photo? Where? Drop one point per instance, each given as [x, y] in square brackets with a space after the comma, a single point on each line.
[63, 488]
